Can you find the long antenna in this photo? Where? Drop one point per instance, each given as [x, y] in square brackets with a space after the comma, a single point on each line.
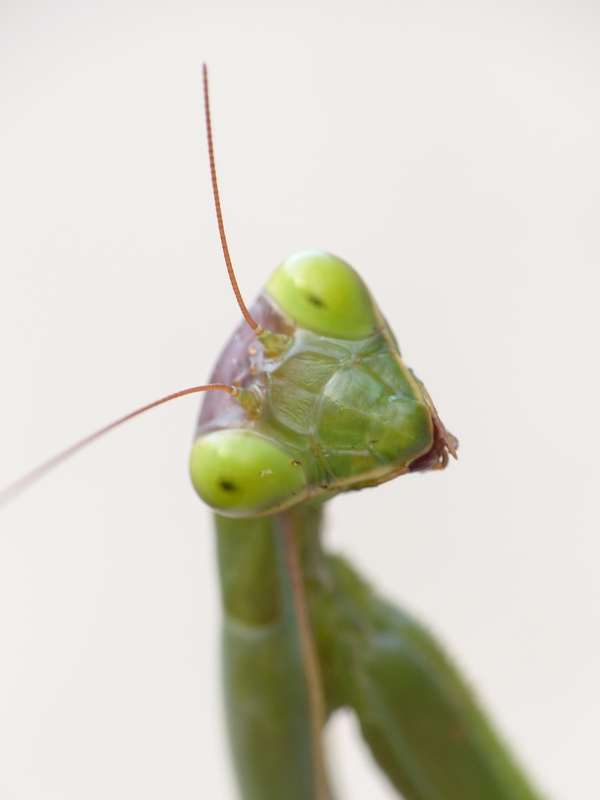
[8, 494]
[273, 341]
[258, 330]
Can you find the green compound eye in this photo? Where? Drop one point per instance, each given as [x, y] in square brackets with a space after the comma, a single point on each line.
[240, 473]
[324, 295]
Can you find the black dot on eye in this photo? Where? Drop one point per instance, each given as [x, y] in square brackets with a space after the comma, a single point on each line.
[316, 301]
[228, 486]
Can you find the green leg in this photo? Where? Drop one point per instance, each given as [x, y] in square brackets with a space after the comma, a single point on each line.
[269, 716]
[416, 712]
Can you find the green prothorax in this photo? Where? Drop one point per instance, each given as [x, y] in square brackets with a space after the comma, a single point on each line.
[333, 409]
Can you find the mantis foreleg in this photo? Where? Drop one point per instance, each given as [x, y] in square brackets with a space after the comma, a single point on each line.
[416, 712]
[270, 712]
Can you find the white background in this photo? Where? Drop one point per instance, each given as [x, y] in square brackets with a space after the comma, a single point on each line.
[450, 152]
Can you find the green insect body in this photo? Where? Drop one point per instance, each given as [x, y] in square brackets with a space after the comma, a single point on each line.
[415, 711]
[330, 408]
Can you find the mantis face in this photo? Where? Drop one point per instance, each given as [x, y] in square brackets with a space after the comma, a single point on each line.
[333, 408]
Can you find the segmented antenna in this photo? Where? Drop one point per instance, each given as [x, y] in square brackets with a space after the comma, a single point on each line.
[273, 345]
[258, 329]
[8, 494]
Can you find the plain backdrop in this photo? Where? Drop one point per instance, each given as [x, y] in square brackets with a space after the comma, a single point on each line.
[449, 151]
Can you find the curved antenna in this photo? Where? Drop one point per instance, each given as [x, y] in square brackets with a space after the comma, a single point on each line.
[15, 489]
[258, 330]
[274, 343]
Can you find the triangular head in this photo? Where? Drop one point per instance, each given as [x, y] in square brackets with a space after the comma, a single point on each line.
[331, 407]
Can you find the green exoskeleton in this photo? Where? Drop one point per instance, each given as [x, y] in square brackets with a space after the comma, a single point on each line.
[324, 404]
[329, 407]
[311, 398]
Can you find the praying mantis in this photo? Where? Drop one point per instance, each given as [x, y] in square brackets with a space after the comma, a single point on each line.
[304, 633]
[451, 157]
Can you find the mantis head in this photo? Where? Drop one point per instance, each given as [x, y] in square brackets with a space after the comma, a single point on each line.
[333, 408]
